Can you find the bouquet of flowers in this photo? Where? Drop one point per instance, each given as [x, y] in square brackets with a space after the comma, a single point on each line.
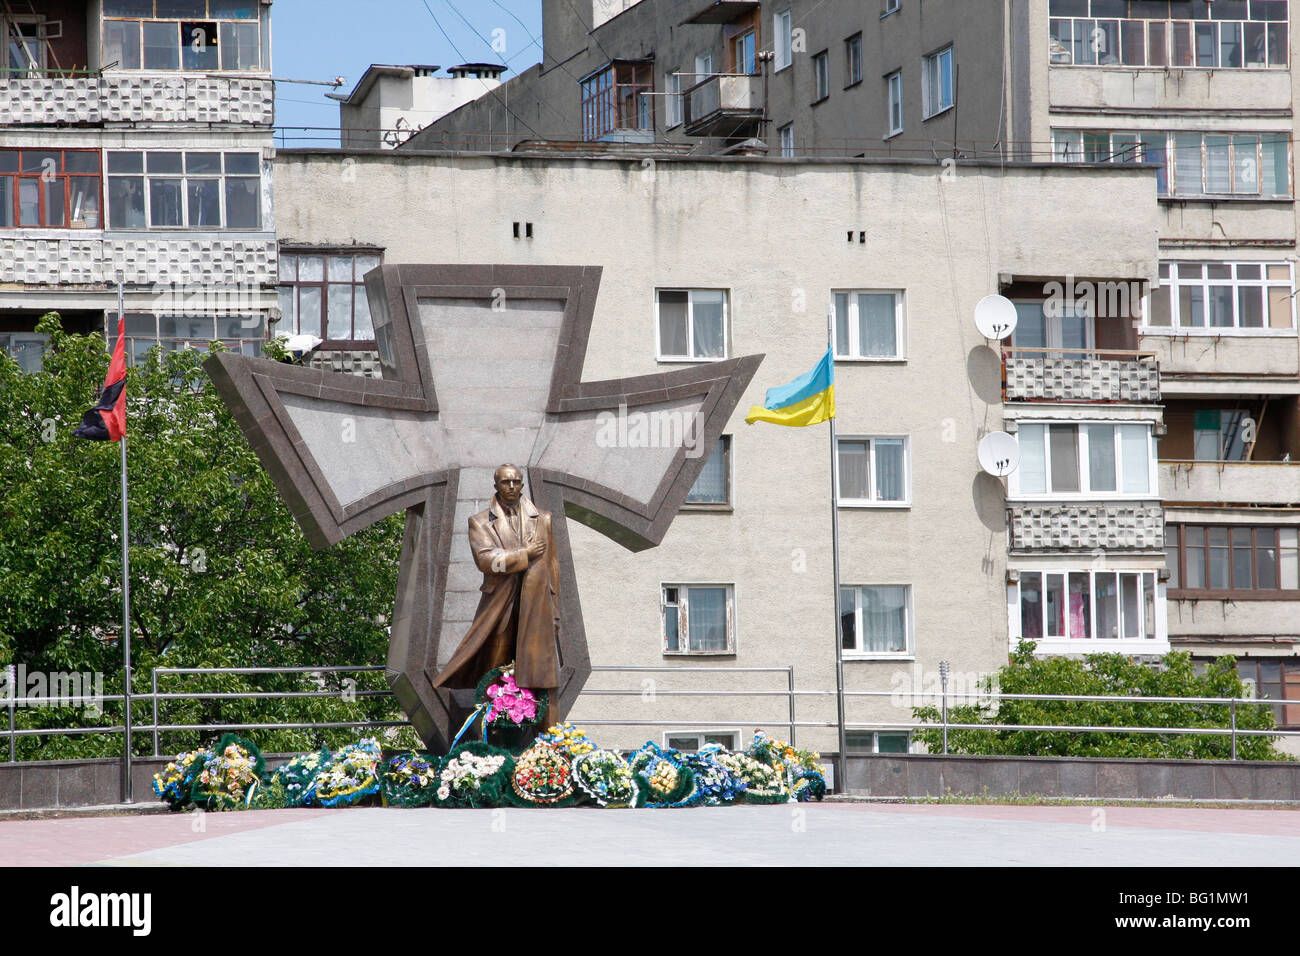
[717, 785]
[511, 714]
[297, 778]
[174, 782]
[605, 777]
[350, 776]
[763, 783]
[409, 780]
[474, 775]
[802, 769]
[230, 777]
[568, 740]
[662, 779]
[543, 776]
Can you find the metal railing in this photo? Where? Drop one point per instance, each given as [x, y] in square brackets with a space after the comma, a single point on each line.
[790, 721]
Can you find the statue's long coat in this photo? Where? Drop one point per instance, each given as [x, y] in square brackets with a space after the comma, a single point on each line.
[518, 615]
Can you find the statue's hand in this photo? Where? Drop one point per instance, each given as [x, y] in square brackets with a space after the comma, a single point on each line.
[536, 550]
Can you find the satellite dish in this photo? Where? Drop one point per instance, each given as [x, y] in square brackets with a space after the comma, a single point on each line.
[995, 317]
[999, 454]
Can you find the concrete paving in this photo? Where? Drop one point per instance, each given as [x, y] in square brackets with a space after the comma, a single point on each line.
[816, 834]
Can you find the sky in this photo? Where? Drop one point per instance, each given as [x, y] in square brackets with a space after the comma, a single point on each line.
[322, 39]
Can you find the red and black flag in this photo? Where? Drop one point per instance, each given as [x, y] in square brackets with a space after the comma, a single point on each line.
[107, 420]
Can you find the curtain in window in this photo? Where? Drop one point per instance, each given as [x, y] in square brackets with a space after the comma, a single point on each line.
[1033, 459]
[843, 343]
[876, 327]
[848, 619]
[1107, 601]
[1187, 164]
[889, 469]
[1031, 605]
[1101, 457]
[884, 619]
[672, 324]
[707, 316]
[711, 486]
[1218, 170]
[1065, 457]
[854, 471]
[707, 616]
[1135, 453]
[1079, 606]
[1274, 180]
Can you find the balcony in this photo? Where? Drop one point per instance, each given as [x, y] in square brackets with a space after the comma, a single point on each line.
[1230, 482]
[86, 260]
[1087, 527]
[1079, 375]
[94, 99]
[725, 105]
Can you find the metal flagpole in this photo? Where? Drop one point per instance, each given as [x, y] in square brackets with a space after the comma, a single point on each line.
[126, 609]
[835, 568]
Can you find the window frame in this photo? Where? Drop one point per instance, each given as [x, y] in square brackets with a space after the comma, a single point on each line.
[727, 444]
[875, 742]
[64, 177]
[1171, 281]
[891, 6]
[855, 346]
[1178, 569]
[821, 67]
[1157, 643]
[909, 629]
[291, 323]
[1085, 492]
[660, 356]
[894, 84]
[24, 70]
[853, 60]
[872, 477]
[929, 109]
[683, 618]
[785, 138]
[218, 23]
[138, 344]
[1287, 712]
[145, 180]
[701, 738]
[604, 98]
[674, 110]
[782, 40]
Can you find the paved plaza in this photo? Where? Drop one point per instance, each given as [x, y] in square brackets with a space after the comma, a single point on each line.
[818, 834]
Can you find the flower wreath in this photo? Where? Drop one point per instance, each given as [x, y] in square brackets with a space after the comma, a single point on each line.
[175, 781]
[763, 783]
[297, 778]
[663, 780]
[717, 784]
[410, 779]
[351, 775]
[474, 774]
[509, 704]
[230, 777]
[605, 778]
[542, 777]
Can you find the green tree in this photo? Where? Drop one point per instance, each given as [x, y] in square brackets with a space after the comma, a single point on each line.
[1113, 675]
[220, 573]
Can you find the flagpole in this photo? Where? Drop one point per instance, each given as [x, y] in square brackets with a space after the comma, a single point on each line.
[126, 608]
[841, 783]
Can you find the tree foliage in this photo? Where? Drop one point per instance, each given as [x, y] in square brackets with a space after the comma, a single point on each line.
[1106, 675]
[220, 573]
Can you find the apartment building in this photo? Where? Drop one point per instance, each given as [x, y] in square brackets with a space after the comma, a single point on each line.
[135, 148]
[1201, 90]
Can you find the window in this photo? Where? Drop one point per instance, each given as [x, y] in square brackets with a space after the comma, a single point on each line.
[890, 6]
[1101, 459]
[875, 619]
[873, 471]
[1099, 146]
[1234, 560]
[868, 324]
[1218, 434]
[692, 324]
[853, 60]
[1069, 326]
[182, 35]
[821, 75]
[894, 88]
[698, 619]
[742, 52]
[50, 188]
[22, 54]
[713, 487]
[1219, 297]
[191, 190]
[617, 98]
[245, 334]
[937, 91]
[695, 740]
[1275, 679]
[786, 135]
[1087, 605]
[1225, 35]
[877, 741]
[673, 104]
[25, 348]
[322, 293]
[782, 37]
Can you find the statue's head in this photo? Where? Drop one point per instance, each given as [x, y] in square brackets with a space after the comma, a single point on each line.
[509, 481]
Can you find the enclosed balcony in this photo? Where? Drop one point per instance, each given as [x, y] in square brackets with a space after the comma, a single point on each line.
[1235, 452]
[728, 105]
[1080, 375]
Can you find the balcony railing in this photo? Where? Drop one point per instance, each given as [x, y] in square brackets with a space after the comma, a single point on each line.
[1080, 375]
[1087, 527]
[1230, 482]
[94, 98]
[724, 104]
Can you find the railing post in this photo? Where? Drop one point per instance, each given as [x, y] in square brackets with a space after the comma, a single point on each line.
[943, 680]
[13, 709]
[790, 677]
[153, 673]
[1232, 710]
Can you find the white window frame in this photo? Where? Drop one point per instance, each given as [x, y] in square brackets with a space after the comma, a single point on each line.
[932, 76]
[673, 106]
[683, 618]
[782, 40]
[1081, 450]
[872, 502]
[909, 631]
[850, 45]
[1054, 327]
[729, 445]
[1158, 644]
[891, 6]
[23, 68]
[855, 345]
[1171, 282]
[786, 136]
[821, 64]
[690, 325]
[700, 736]
[875, 741]
[894, 98]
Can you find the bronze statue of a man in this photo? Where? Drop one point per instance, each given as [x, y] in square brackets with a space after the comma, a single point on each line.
[518, 617]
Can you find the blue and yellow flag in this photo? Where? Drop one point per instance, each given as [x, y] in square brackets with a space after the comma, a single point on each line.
[808, 400]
